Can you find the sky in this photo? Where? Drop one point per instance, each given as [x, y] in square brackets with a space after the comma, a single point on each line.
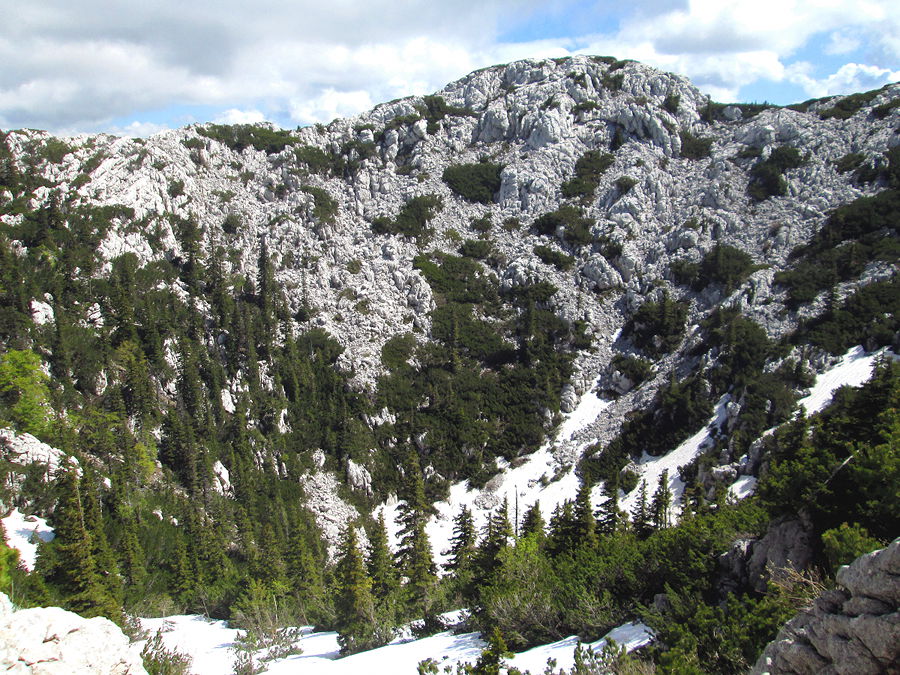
[135, 68]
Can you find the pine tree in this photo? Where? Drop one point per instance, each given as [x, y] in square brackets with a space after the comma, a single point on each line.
[462, 544]
[497, 535]
[76, 570]
[609, 515]
[585, 531]
[640, 516]
[413, 510]
[354, 605]
[561, 537]
[93, 521]
[380, 562]
[533, 522]
[661, 505]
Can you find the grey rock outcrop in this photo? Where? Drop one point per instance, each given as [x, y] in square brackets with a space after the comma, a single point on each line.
[53, 641]
[852, 630]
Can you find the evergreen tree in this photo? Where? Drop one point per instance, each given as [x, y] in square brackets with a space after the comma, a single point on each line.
[354, 605]
[661, 505]
[380, 563]
[93, 521]
[75, 572]
[561, 537]
[413, 511]
[609, 516]
[497, 535]
[585, 526]
[462, 544]
[640, 516]
[533, 522]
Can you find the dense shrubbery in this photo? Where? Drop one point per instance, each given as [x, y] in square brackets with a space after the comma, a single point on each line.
[767, 175]
[576, 227]
[324, 205]
[436, 109]
[413, 218]
[694, 147]
[634, 368]
[553, 257]
[474, 182]
[854, 235]
[588, 170]
[722, 264]
[241, 136]
[848, 106]
[656, 327]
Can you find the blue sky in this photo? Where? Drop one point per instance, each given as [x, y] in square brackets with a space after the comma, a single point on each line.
[128, 68]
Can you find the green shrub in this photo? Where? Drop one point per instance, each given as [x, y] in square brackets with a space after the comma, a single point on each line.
[849, 162]
[176, 188]
[482, 224]
[436, 109]
[694, 147]
[724, 265]
[316, 160]
[671, 103]
[849, 105]
[656, 327]
[413, 218]
[232, 223]
[241, 136]
[324, 205]
[584, 106]
[474, 182]
[767, 176]
[553, 257]
[588, 170]
[635, 368]
[624, 184]
[479, 249]
[576, 226]
[846, 543]
[882, 111]
[354, 266]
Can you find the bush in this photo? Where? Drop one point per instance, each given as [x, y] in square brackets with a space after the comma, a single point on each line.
[656, 327]
[232, 223]
[474, 182]
[767, 176]
[588, 170]
[624, 184]
[476, 248]
[694, 147]
[316, 160]
[553, 257]
[848, 106]
[324, 205]
[413, 218]
[482, 224]
[635, 368]
[576, 226]
[241, 136]
[725, 265]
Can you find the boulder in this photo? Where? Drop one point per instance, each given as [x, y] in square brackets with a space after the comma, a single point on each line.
[53, 641]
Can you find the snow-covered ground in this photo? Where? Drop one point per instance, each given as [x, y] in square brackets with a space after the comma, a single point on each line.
[210, 643]
[23, 534]
[854, 369]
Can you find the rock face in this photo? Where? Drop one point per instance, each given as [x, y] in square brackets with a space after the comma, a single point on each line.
[52, 641]
[854, 629]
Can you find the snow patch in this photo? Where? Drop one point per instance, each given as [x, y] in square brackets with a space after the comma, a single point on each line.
[651, 468]
[23, 534]
[743, 487]
[854, 369]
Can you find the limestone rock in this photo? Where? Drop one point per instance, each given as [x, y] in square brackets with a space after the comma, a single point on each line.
[854, 630]
[53, 641]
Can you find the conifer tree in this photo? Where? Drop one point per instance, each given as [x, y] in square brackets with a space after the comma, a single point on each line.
[640, 516]
[497, 535]
[354, 605]
[413, 510]
[661, 505]
[609, 516]
[75, 572]
[380, 562]
[462, 544]
[93, 521]
[585, 530]
[533, 522]
[562, 527]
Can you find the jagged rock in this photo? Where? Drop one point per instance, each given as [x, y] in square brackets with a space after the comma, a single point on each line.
[358, 477]
[24, 449]
[53, 641]
[788, 543]
[853, 630]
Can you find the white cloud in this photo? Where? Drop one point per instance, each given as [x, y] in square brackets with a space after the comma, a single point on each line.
[235, 116]
[138, 129]
[80, 65]
[849, 78]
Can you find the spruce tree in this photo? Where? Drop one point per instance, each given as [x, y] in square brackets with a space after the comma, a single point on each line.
[497, 535]
[75, 573]
[585, 526]
[661, 505]
[380, 562]
[462, 544]
[354, 605]
[561, 537]
[93, 521]
[640, 516]
[413, 511]
[533, 522]
[609, 515]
